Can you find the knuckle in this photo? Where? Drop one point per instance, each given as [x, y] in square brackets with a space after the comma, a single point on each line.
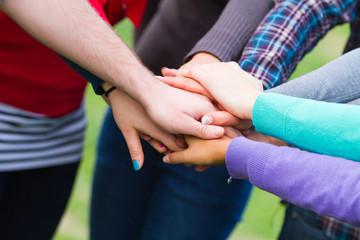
[204, 130]
[134, 151]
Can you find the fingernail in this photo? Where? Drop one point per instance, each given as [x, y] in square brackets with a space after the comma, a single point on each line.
[166, 159]
[218, 132]
[206, 120]
[245, 132]
[162, 146]
[136, 165]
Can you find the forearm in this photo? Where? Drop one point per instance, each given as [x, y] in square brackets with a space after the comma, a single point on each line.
[327, 185]
[227, 38]
[321, 127]
[76, 31]
[287, 33]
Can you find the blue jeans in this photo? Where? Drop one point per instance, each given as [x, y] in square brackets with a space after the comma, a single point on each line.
[160, 201]
[301, 224]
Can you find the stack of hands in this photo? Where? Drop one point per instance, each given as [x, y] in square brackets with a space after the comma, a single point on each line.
[219, 96]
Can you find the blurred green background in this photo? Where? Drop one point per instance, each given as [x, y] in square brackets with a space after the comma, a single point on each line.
[264, 214]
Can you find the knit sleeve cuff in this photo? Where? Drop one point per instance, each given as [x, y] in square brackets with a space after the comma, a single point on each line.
[247, 159]
[94, 80]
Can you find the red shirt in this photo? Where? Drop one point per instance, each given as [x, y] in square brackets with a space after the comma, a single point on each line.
[35, 78]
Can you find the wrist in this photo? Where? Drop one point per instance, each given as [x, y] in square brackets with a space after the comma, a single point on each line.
[148, 92]
[205, 57]
[252, 102]
[236, 158]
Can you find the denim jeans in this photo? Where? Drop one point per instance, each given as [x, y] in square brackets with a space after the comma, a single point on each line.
[160, 201]
[301, 224]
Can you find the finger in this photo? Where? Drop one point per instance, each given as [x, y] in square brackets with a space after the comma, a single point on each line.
[180, 141]
[195, 128]
[134, 145]
[194, 73]
[246, 133]
[201, 168]
[232, 132]
[176, 158]
[169, 140]
[157, 145]
[187, 164]
[186, 84]
[167, 72]
[223, 118]
[178, 82]
[145, 136]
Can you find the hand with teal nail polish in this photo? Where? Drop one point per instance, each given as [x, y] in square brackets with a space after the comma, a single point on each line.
[136, 124]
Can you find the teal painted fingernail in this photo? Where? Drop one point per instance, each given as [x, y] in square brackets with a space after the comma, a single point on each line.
[136, 165]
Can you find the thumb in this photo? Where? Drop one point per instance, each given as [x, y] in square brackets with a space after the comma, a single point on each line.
[199, 130]
[175, 158]
[136, 152]
[167, 72]
[223, 118]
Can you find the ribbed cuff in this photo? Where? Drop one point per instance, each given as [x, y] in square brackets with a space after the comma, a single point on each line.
[236, 158]
[247, 159]
[94, 80]
[270, 112]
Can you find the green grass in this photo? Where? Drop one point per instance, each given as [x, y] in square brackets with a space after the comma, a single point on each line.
[263, 216]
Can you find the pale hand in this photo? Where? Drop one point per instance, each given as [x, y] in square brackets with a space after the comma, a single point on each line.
[186, 83]
[234, 89]
[134, 123]
[179, 112]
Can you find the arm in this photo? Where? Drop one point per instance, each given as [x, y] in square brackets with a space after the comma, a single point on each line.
[134, 123]
[227, 38]
[66, 28]
[327, 185]
[321, 127]
[290, 30]
[77, 32]
[316, 126]
[337, 81]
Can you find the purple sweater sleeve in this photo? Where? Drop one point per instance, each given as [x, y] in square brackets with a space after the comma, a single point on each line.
[327, 185]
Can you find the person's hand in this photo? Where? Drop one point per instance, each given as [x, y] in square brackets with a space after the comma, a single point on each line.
[186, 83]
[198, 59]
[201, 152]
[224, 118]
[134, 123]
[234, 89]
[178, 111]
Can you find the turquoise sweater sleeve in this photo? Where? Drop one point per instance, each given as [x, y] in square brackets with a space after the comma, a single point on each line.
[327, 128]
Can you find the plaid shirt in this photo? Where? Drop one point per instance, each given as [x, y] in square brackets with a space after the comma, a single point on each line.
[335, 229]
[289, 31]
